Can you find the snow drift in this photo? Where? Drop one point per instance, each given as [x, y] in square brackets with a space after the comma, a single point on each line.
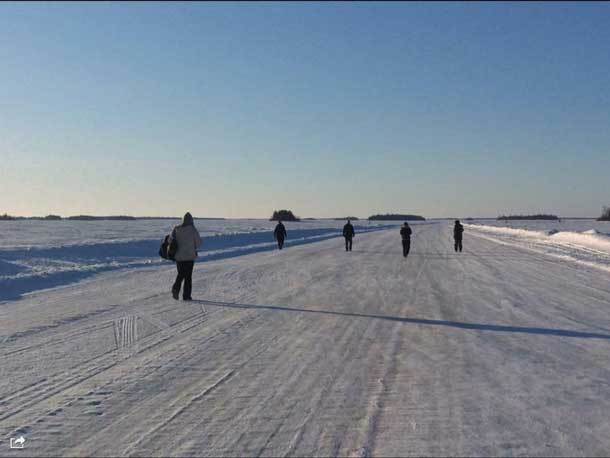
[590, 247]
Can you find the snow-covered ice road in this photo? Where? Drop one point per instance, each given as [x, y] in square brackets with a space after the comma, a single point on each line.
[313, 351]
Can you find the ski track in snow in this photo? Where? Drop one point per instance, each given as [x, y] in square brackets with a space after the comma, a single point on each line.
[313, 351]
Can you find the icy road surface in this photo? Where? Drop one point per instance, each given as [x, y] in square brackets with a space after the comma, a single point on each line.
[313, 351]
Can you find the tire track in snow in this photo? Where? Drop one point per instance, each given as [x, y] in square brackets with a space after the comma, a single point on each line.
[43, 392]
[124, 333]
[376, 404]
[333, 376]
[178, 411]
[166, 366]
[162, 428]
[57, 341]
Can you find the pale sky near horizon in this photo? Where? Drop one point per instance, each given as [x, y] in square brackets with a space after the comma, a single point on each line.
[327, 109]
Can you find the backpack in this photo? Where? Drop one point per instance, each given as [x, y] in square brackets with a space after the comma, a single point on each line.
[168, 249]
[348, 231]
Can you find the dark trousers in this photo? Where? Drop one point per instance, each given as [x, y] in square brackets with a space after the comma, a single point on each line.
[185, 272]
[406, 246]
[458, 244]
[348, 244]
[280, 242]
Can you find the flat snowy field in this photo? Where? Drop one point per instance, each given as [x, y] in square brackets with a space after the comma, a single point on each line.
[311, 351]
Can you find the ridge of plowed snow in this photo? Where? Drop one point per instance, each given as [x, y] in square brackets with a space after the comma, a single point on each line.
[591, 248]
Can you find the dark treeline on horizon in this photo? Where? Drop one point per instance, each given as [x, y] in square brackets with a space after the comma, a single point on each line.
[532, 217]
[6, 217]
[284, 215]
[396, 217]
[605, 216]
[287, 215]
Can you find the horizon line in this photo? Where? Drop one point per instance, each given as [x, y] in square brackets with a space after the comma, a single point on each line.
[72, 217]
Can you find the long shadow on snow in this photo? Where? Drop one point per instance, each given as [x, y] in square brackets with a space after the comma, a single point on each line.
[109, 256]
[451, 324]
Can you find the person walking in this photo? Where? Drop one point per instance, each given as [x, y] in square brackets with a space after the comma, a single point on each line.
[458, 230]
[348, 233]
[405, 234]
[280, 234]
[188, 240]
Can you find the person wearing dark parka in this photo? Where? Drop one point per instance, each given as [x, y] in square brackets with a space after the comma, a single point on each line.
[280, 234]
[348, 233]
[188, 240]
[458, 230]
[405, 234]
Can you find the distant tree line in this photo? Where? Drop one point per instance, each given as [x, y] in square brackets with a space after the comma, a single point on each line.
[7, 217]
[522, 217]
[353, 218]
[396, 217]
[283, 215]
[97, 218]
[605, 216]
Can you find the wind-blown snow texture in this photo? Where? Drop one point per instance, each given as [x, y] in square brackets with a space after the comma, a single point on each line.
[313, 351]
[583, 241]
[37, 255]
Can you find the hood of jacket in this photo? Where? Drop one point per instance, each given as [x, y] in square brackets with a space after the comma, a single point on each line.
[187, 220]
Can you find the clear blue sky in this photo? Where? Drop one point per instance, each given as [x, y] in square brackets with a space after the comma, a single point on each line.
[449, 109]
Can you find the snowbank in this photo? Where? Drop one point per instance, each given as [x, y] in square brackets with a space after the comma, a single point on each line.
[590, 247]
[591, 239]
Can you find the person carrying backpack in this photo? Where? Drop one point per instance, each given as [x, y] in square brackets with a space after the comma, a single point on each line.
[405, 234]
[280, 234]
[348, 233]
[458, 230]
[188, 241]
